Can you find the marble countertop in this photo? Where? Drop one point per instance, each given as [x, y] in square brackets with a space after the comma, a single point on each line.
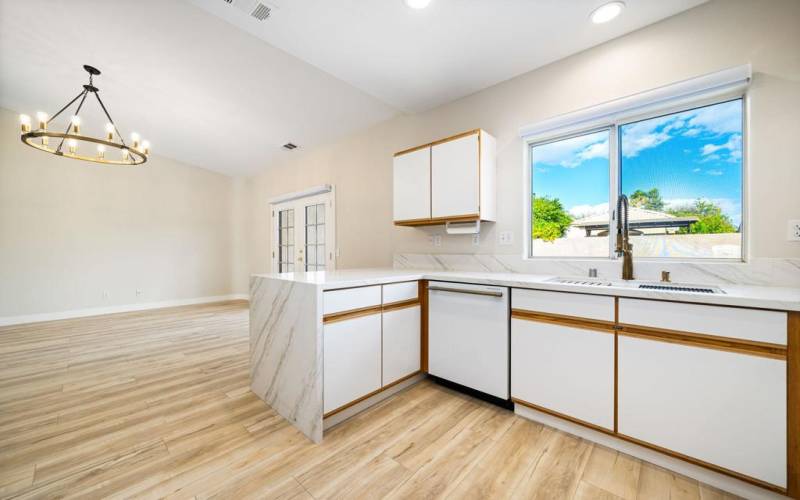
[763, 297]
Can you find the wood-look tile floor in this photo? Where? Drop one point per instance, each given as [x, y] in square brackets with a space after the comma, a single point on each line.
[156, 404]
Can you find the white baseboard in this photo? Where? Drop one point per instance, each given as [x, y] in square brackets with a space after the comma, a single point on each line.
[721, 481]
[99, 311]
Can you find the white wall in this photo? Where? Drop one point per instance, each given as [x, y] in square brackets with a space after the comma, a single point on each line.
[714, 36]
[72, 230]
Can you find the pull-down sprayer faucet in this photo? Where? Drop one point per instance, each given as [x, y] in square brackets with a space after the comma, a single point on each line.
[624, 248]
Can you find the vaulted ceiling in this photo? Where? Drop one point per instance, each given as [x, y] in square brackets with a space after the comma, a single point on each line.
[210, 85]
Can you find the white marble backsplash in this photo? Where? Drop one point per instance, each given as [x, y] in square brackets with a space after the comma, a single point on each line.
[761, 272]
[286, 350]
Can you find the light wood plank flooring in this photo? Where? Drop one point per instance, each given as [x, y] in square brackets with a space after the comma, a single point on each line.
[156, 404]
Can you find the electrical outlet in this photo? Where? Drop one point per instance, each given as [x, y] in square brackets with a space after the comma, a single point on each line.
[794, 230]
[437, 240]
[476, 240]
[139, 292]
[105, 294]
[505, 237]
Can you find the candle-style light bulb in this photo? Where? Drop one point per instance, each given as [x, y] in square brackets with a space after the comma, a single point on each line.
[124, 154]
[73, 146]
[110, 131]
[146, 147]
[76, 124]
[101, 151]
[24, 123]
[135, 140]
[41, 117]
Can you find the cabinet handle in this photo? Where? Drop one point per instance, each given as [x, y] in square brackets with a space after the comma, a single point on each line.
[489, 293]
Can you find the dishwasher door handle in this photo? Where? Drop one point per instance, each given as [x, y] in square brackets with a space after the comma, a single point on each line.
[488, 293]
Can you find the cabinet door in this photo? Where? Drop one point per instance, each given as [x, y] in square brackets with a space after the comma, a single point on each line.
[412, 185]
[351, 360]
[455, 177]
[724, 408]
[401, 343]
[564, 369]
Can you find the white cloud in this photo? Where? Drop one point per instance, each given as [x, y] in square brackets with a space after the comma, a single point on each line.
[695, 170]
[714, 172]
[733, 145]
[570, 153]
[581, 211]
[722, 118]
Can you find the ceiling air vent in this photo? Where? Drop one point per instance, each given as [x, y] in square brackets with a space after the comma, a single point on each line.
[289, 146]
[261, 11]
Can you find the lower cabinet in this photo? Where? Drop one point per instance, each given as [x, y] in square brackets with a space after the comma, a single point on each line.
[564, 369]
[720, 407]
[401, 343]
[351, 360]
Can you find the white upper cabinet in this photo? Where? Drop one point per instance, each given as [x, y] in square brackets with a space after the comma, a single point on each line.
[454, 182]
[412, 185]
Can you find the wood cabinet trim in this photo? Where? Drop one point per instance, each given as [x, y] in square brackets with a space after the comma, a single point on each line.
[369, 395]
[645, 444]
[739, 346]
[438, 220]
[439, 141]
[564, 320]
[793, 405]
[402, 304]
[423, 331]
[351, 314]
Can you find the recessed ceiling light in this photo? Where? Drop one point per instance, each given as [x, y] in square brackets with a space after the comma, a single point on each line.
[417, 4]
[607, 12]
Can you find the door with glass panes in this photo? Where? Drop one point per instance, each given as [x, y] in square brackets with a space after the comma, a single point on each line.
[303, 235]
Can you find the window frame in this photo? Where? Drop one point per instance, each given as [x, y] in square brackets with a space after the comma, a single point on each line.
[613, 124]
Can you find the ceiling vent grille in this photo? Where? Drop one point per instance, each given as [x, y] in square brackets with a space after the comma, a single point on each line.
[261, 11]
[289, 146]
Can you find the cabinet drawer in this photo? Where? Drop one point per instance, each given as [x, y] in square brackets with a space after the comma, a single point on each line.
[335, 301]
[733, 322]
[352, 360]
[399, 292]
[566, 370]
[579, 305]
[401, 343]
[727, 409]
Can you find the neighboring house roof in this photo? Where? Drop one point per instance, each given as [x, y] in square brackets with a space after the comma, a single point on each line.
[637, 218]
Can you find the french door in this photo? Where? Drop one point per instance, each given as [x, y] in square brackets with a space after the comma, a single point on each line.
[303, 235]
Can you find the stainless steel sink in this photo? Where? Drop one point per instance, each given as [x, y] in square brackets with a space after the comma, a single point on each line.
[642, 285]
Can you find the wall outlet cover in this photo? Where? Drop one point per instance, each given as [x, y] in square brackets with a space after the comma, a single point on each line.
[476, 240]
[437, 240]
[506, 237]
[794, 230]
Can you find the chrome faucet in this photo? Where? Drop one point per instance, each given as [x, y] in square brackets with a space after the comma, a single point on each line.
[624, 248]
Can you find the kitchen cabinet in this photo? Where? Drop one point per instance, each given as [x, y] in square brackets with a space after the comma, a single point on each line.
[352, 360]
[412, 185]
[457, 174]
[723, 408]
[401, 343]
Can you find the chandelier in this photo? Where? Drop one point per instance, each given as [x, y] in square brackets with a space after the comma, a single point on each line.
[71, 138]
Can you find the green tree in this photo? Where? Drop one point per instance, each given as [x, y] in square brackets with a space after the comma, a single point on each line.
[711, 220]
[550, 220]
[650, 200]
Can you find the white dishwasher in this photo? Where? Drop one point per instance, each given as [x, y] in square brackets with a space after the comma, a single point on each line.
[468, 336]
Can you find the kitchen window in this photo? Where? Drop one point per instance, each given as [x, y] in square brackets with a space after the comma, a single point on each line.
[681, 170]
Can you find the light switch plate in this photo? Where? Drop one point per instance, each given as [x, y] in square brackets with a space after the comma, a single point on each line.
[793, 230]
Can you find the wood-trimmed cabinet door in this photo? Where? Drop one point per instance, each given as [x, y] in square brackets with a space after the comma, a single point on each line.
[564, 369]
[401, 343]
[412, 185]
[455, 177]
[351, 360]
[724, 408]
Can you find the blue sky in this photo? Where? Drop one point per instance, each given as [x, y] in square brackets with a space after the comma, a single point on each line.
[688, 155]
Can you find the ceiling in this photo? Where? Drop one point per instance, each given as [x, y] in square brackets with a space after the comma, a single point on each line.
[203, 86]
[418, 59]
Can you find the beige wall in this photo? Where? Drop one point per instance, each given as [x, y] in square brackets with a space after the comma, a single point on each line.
[70, 231]
[717, 35]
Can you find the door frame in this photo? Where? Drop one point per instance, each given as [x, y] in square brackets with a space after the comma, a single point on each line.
[298, 200]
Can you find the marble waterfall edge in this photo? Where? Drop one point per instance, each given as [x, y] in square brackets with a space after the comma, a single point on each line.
[757, 272]
[286, 350]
